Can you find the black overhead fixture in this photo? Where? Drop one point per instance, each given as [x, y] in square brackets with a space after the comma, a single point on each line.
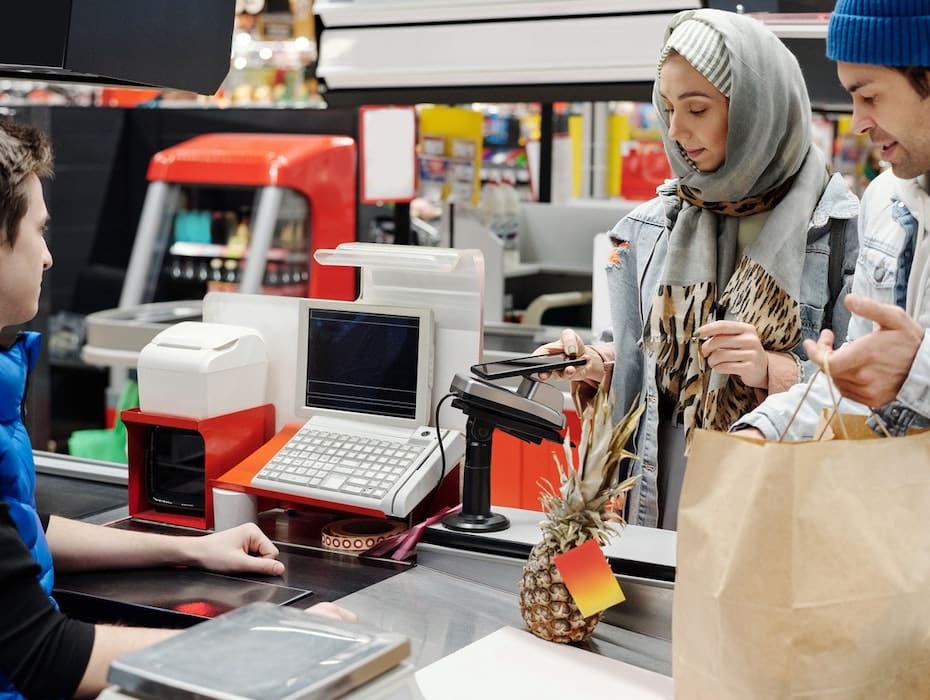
[183, 44]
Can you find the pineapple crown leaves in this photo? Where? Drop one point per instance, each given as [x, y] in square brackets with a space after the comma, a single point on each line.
[587, 498]
[570, 525]
[602, 444]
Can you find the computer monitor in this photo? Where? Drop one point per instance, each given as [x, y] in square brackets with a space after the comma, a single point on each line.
[364, 361]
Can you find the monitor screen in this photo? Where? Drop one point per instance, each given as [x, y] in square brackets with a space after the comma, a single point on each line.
[363, 359]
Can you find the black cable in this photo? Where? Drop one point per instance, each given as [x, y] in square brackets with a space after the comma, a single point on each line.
[442, 457]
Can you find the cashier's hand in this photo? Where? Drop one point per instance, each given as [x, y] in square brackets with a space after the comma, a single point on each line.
[243, 549]
[572, 345]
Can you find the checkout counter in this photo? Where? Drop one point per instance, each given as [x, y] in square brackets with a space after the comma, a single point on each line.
[457, 589]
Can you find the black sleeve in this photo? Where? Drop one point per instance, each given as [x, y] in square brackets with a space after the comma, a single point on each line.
[42, 651]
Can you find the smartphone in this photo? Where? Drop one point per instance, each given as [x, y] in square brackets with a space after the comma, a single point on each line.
[531, 364]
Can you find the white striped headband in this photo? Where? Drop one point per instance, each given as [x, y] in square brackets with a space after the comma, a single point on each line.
[704, 48]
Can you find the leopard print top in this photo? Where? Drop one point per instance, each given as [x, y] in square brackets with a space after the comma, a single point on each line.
[751, 296]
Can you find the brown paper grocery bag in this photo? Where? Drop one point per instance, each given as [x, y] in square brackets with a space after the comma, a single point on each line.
[803, 569]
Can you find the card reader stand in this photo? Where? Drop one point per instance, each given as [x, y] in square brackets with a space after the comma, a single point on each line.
[532, 412]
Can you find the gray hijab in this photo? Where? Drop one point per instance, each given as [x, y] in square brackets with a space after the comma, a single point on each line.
[768, 142]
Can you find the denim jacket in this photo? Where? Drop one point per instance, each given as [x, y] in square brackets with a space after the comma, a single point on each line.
[891, 207]
[640, 244]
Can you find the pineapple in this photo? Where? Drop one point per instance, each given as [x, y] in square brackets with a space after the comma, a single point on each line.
[586, 506]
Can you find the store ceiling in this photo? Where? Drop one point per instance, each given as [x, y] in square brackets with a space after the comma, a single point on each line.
[414, 51]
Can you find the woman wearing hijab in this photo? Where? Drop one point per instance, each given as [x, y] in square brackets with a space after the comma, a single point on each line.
[715, 283]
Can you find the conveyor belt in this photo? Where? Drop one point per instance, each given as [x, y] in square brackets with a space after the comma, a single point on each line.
[77, 498]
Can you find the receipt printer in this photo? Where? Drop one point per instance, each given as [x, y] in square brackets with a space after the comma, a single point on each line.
[202, 370]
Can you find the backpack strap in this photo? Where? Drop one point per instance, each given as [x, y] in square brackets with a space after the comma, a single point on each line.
[835, 267]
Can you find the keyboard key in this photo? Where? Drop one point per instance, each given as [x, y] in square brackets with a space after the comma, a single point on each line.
[333, 481]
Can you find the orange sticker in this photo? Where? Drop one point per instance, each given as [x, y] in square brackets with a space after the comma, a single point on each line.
[588, 578]
[614, 257]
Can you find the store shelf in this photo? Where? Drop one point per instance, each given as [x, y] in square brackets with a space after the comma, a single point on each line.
[527, 269]
[537, 51]
[796, 25]
[187, 249]
[373, 50]
[247, 51]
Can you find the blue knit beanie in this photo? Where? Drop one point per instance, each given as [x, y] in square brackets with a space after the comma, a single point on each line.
[880, 32]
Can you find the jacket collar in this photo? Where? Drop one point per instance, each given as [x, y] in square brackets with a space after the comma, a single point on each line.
[913, 193]
[837, 202]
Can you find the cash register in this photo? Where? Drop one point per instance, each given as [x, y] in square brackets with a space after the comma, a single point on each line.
[363, 384]
[202, 409]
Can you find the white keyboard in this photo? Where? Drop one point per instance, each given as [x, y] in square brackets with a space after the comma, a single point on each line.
[382, 472]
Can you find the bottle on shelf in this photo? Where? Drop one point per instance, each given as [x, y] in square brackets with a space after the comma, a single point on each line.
[509, 222]
[216, 270]
[499, 210]
[239, 242]
[231, 274]
[489, 204]
[189, 271]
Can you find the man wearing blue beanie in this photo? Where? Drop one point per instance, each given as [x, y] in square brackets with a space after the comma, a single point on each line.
[882, 50]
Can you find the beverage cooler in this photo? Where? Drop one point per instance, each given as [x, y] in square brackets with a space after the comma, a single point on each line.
[225, 212]
[244, 212]
[230, 212]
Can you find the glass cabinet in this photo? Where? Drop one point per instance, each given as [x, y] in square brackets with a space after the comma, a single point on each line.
[244, 212]
[209, 243]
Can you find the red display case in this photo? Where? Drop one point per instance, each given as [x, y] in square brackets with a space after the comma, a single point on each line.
[158, 486]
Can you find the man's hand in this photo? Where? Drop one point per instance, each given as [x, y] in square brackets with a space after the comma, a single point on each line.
[732, 347]
[244, 549]
[872, 368]
[78, 546]
[824, 345]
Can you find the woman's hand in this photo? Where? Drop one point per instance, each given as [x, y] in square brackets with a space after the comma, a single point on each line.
[731, 347]
[572, 345]
[243, 549]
